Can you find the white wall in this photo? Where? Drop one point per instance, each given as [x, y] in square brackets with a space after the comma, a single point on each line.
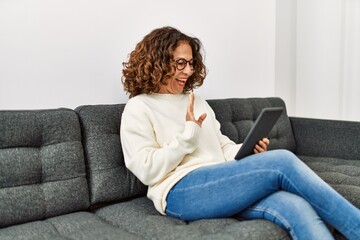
[319, 58]
[68, 53]
[285, 53]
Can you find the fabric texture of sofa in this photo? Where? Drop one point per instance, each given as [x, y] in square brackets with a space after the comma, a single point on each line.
[62, 173]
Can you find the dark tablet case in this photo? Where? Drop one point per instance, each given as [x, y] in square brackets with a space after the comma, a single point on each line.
[261, 129]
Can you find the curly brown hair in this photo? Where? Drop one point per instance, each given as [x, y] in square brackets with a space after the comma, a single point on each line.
[150, 64]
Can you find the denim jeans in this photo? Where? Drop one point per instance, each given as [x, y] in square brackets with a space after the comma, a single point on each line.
[273, 185]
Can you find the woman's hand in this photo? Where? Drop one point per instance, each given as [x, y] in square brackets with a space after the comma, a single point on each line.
[190, 112]
[262, 145]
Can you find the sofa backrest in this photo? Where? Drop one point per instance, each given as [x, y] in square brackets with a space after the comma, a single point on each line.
[42, 170]
[110, 180]
[238, 115]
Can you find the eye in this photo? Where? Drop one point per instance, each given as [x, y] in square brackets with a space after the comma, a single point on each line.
[193, 63]
[181, 63]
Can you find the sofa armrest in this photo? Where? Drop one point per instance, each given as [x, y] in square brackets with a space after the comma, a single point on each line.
[327, 138]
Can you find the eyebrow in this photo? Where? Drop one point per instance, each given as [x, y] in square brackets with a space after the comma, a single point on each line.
[183, 59]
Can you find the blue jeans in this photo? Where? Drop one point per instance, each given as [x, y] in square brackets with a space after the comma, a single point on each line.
[274, 185]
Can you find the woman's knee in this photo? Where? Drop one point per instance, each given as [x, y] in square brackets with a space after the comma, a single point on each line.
[284, 154]
[286, 157]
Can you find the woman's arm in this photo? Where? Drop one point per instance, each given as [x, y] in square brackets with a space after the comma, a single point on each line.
[149, 161]
[229, 147]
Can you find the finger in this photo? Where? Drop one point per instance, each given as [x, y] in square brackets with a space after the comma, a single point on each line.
[258, 148]
[266, 141]
[263, 145]
[191, 102]
[190, 108]
[201, 119]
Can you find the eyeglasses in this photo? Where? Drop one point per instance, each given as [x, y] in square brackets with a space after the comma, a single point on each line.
[181, 63]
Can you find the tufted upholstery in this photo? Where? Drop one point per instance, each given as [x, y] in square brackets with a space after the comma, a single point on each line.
[42, 171]
[343, 175]
[142, 219]
[75, 226]
[331, 149]
[43, 175]
[237, 116]
[109, 179]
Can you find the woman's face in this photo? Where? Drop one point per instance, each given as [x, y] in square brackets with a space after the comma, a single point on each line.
[182, 54]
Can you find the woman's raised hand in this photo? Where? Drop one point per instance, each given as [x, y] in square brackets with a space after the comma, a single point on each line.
[190, 111]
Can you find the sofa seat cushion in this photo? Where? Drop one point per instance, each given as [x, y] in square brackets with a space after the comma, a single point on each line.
[139, 216]
[80, 225]
[343, 175]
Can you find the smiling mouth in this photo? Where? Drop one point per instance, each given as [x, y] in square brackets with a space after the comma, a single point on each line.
[181, 82]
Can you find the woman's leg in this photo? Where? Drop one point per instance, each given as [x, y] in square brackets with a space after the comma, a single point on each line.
[225, 189]
[292, 213]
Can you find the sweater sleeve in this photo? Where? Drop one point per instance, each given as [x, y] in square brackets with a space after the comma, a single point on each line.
[229, 147]
[143, 155]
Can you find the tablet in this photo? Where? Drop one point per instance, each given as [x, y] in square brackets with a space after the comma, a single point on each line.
[261, 129]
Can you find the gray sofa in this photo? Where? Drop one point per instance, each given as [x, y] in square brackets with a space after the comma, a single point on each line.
[62, 173]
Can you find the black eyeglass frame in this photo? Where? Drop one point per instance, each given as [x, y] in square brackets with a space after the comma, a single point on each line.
[182, 61]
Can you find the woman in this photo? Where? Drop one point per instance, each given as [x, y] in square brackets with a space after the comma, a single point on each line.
[173, 144]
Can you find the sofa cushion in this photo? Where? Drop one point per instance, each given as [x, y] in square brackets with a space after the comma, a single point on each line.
[343, 175]
[80, 225]
[326, 138]
[139, 216]
[42, 171]
[109, 179]
[237, 116]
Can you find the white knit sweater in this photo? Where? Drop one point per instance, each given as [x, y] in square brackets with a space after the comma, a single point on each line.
[160, 146]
